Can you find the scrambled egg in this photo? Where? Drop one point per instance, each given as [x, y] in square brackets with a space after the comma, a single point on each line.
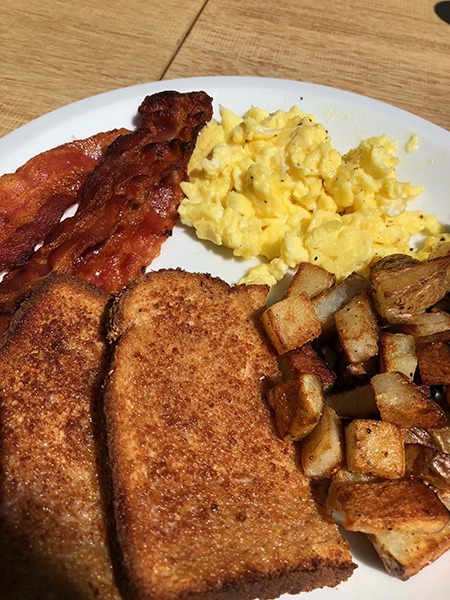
[272, 185]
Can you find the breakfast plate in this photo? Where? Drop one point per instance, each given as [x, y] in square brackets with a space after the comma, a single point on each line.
[348, 118]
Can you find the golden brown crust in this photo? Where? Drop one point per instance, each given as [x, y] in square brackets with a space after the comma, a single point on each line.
[52, 507]
[404, 554]
[209, 502]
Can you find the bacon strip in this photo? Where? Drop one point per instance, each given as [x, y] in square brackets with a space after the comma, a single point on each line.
[128, 204]
[33, 199]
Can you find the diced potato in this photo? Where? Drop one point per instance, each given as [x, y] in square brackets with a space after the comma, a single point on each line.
[322, 451]
[346, 477]
[442, 249]
[297, 403]
[433, 355]
[441, 438]
[411, 453]
[406, 505]
[355, 403]
[375, 447]
[444, 497]
[419, 436]
[340, 478]
[364, 369]
[306, 360]
[405, 553]
[354, 375]
[311, 279]
[398, 353]
[403, 287]
[357, 329]
[427, 323]
[430, 465]
[330, 301]
[291, 322]
[402, 402]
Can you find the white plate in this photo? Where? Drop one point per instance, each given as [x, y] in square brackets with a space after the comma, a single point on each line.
[349, 118]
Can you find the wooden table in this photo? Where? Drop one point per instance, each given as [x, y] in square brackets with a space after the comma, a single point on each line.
[55, 52]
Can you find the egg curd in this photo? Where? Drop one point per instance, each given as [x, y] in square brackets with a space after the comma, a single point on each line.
[272, 185]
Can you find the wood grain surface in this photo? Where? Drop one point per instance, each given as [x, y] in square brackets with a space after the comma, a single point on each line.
[55, 52]
[397, 51]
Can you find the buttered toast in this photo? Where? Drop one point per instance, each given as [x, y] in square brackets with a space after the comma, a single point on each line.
[209, 502]
[53, 529]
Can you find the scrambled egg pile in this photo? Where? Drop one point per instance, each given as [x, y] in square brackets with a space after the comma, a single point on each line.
[272, 185]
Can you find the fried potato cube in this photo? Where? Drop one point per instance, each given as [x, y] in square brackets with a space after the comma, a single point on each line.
[354, 403]
[441, 438]
[433, 355]
[444, 497]
[405, 553]
[375, 447]
[297, 404]
[441, 249]
[403, 286]
[357, 329]
[398, 505]
[291, 322]
[306, 360]
[322, 451]
[311, 279]
[402, 402]
[397, 352]
[427, 323]
[419, 436]
[331, 300]
[340, 478]
[354, 375]
[430, 465]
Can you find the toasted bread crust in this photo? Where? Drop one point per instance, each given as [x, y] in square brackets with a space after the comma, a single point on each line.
[209, 502]
[52, 509]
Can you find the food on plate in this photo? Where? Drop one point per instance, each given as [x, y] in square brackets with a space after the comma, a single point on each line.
[128, 204]
[404, 286]
[298, 405]
[208, 500]
[34, 198]
[272, 185]
[381, 444]
[375, 447]
[291, 322]
[321, 452]
[405, 553]
[402, 402]
[53, 526]
[204, 490]
[402, 505]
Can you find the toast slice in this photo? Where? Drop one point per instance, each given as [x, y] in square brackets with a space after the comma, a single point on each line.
[53, 530]
[209, 502]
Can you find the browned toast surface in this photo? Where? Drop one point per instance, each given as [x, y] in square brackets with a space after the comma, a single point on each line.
[209, 502]
[53, 532]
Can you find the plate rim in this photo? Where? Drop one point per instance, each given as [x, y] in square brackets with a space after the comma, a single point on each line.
[36, 127]
[123, 93]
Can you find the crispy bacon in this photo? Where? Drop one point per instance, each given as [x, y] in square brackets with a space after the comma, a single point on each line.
[33, 199]
[128, 204]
